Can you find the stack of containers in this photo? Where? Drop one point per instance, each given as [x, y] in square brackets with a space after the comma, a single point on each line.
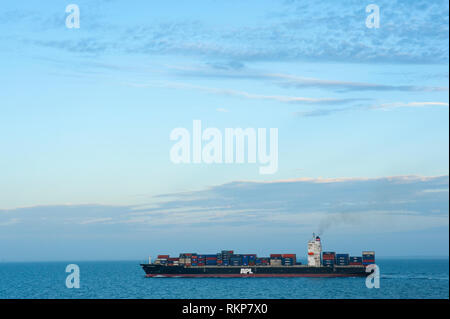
[188, 259]
[211, 260]
[219, 259]
[226, 254]
[275, 259]
[236, 260]
[368, 257]
[251, 259]
[163, 259]
[342, 259]
[262, 261]
[185, 259]
[225, 262]
[288, 259]
[194, 260]
[328, 258]
[355, 261]
[248, 259]
[172, 261]
[201, 260]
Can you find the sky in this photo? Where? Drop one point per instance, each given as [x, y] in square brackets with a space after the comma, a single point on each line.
[86, 115]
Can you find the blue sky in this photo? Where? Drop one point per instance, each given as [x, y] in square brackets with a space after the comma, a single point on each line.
[86, 116]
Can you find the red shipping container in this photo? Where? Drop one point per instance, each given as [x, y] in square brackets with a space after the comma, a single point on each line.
[163, 256]
[288, 255]
[275, 255]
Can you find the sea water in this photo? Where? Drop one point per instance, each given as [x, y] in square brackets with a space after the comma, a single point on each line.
[417, 278]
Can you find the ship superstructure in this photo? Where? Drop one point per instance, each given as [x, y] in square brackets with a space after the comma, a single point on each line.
[314, 251]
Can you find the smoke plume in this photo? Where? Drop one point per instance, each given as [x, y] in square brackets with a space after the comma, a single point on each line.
[333, 220]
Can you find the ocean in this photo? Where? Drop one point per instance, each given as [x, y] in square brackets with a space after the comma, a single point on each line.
[404, 278]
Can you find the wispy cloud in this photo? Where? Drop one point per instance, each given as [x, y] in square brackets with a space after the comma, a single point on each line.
[382, 106]
[95, 220]
[325, 112]
[410, 104]
[302, 82]
[294, 81]
[247, 95]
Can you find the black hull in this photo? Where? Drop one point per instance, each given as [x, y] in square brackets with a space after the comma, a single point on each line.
[152, 270]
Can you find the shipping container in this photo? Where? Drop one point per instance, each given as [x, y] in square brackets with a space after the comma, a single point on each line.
[275, 262]
[287, 261]
[328, 255]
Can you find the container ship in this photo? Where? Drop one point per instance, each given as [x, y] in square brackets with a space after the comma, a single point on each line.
[228, 264]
